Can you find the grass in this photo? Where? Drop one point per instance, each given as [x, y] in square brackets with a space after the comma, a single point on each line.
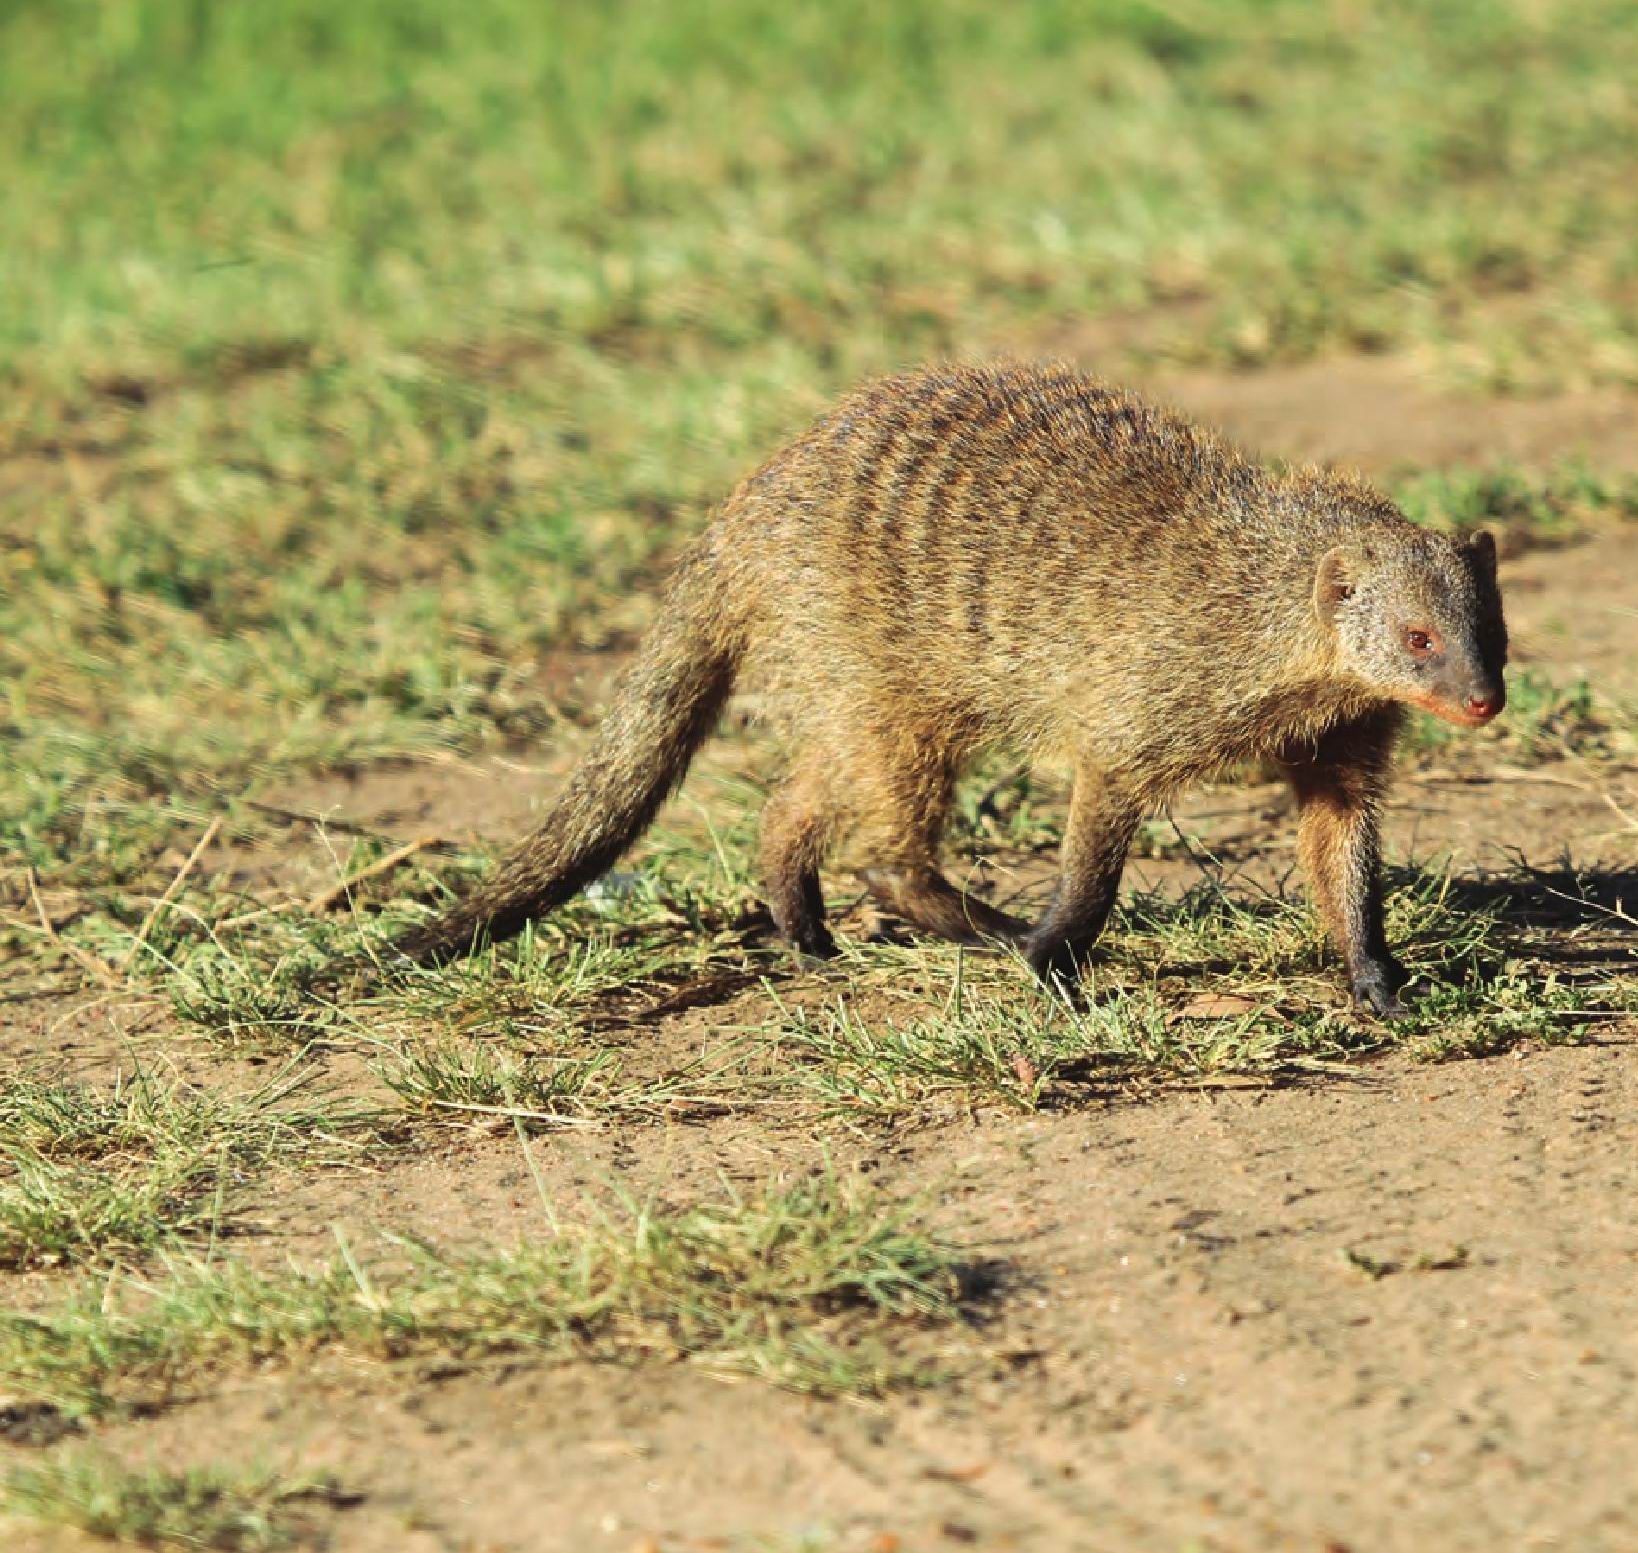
[51, 1214]
[1525, 511]
[1222, 980]
[1485, 960]
[359, 362]
[353, 363]
[142, 1114]
[92, 1175]
[479, 1079]
[814, 1286]
[689, 181]
[1226, 977]
[592, 1085]
[216, 1507]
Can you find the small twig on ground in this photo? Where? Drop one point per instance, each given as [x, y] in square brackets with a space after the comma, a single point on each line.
[99, 968]
[325, 899]
[317, 905]
[1617, 911]
[212, 831]
[1626, 819]
[346, 827]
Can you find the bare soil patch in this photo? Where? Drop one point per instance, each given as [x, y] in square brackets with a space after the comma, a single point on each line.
[1393, 1311]
[1376, 413]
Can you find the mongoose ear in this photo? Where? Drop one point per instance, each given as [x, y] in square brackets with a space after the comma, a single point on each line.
[1333, 582]
[1483, 545]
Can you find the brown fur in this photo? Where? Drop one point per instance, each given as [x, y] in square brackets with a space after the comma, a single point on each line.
[1020, 555]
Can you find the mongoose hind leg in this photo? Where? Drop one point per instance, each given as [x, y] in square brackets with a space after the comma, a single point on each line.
[1099, 830]
[796, 828]
[902, 801]
[918, 892]
[1339, 785]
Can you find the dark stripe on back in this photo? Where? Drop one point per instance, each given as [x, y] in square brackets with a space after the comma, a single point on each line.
[975, 584]
[863, 497]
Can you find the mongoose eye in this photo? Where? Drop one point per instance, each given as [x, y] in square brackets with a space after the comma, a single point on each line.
[1423, 643]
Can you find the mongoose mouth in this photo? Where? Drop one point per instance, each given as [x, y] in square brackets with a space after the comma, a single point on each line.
[1475, 713]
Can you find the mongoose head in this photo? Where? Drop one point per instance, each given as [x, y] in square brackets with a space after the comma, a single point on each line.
[1418, 617]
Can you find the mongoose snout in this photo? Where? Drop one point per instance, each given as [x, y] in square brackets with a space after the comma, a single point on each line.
[1020, 555]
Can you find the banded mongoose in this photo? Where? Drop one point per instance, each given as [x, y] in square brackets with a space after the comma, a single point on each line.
[1021, 555]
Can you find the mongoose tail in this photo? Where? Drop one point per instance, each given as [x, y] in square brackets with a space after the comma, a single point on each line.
[663, 707]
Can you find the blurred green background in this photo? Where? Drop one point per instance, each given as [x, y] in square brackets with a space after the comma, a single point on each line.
[355, 355]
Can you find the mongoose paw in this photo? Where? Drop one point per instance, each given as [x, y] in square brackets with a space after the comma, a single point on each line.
[813, 949]
[1376, 990]
[1056, 963]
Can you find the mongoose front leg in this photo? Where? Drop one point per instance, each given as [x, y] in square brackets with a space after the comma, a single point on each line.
[1102, 821]
[1339, 786]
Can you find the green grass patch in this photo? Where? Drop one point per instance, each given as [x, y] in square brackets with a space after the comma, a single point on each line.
[1222, 978]
[815, 1286]
[217, 1507]
[478, 1080]
[211, 199]
[142, 1115]
[582, 966]
[355, 362]
[552, 1029]
[93, 1175]
[51, 1214]
[1525, 511]
[1216, 982]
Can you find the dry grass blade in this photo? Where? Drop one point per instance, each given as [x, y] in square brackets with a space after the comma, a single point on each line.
[317, 905]
[327, 898]
[1626, 819]
[517, 1113]
[212, 831]
[345, 827]
[100, 969]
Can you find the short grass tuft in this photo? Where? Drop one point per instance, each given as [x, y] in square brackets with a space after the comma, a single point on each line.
[92, 1174]
[214, 1507]
[1217, 981]
[815, 1286]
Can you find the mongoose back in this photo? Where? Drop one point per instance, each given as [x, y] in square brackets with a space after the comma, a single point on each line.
[1021, 555]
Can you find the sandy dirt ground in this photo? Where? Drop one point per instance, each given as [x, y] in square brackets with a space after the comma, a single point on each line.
[1181, 1353]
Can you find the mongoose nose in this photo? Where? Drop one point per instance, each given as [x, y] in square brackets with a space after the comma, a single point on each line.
[1484, 706]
